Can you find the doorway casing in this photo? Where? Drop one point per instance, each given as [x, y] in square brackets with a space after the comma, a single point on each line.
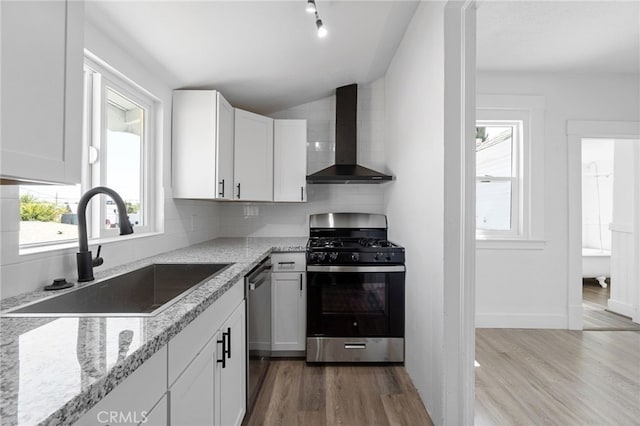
[576, 131]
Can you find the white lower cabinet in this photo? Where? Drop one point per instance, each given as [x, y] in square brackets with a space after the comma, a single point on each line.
[209, 387]
[192, 395]
[289, 303]
[231, 389]
[133, 399]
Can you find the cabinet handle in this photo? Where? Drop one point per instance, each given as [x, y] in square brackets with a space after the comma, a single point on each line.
[302, 193]
[221, 194]
[224, 350]
[300, 283]
[228, 349]
[238, 191]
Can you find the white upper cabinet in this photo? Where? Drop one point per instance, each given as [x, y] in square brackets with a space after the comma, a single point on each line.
[202, 145]
[253, 157]
[290, 160]
[42, 68]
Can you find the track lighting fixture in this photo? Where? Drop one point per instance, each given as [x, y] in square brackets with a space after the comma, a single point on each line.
[312, 8]
[322, 31]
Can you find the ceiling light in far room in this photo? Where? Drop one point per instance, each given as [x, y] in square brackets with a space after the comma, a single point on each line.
[311, 6]
[322, 30]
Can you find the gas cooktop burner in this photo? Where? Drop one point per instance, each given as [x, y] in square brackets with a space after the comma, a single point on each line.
[367, 242]
[327, 243]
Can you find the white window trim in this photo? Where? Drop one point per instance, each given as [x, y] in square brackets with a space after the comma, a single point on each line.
[110, 77]
[529, 110]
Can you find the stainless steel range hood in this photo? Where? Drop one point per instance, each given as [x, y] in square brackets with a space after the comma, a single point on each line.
[346, 169]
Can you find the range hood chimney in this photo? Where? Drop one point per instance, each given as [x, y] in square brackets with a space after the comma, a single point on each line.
[346, 169]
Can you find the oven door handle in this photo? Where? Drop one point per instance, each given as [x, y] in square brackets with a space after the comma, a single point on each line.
[334, 268]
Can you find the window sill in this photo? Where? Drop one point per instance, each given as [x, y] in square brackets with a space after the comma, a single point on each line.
[71, 246]
[509, 244]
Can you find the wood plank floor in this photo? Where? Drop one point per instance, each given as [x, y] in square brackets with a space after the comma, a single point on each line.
[595, 315]
[557, 377]
[295, 393]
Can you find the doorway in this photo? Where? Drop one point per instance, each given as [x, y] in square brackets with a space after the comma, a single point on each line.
[603, 220]
[607, 214]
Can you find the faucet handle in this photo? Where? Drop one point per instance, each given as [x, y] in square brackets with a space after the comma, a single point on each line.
[97, 261]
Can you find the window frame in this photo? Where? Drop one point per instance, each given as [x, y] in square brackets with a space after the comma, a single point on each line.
[104, 77]
[530, 109]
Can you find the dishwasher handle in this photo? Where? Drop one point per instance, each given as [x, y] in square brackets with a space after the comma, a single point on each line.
[259, 277]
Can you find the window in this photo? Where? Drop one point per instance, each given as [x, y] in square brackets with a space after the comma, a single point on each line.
[510, 171]
[498, 176]
[118, 121]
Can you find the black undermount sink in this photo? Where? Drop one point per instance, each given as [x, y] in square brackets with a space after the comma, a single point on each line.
[143, 292]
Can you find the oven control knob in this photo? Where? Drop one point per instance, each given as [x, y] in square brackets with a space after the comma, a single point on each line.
[355, 257]
[333, 256]
[319, 257]
[381, 256]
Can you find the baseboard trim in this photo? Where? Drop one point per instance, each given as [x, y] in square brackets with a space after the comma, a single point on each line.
[620, 308]
[521, 321]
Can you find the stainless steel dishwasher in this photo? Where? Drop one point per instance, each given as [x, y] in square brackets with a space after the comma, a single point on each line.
[258, 296]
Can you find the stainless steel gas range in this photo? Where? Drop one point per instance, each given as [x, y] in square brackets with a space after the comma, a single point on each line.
[355, 290]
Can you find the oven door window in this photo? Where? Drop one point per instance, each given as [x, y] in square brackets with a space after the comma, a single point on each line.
[359, 298]
[355, 304]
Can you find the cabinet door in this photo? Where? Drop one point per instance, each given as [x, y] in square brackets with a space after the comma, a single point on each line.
[192, 396]
[134, 398]
[41, 55]
[253, 157]
[232, 375]
[289, 160]
[226, 119]
[193, 154]
[289, 311]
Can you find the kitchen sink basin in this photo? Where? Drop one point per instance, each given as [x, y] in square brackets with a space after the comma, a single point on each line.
[140, 293]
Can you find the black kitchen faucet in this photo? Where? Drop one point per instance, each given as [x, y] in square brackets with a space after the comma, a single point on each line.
[84, 257]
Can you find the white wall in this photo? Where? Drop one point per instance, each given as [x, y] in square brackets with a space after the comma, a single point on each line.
[415, 200]
[292, 219]
[184, 222]
[528, 288]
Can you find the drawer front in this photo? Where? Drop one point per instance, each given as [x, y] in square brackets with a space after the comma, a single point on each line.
[185, 346]
[288, 262]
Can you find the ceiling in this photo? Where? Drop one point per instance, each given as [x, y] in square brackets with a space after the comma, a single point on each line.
[263, 56]
[559, 36]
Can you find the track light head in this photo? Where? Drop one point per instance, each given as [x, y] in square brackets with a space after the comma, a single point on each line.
[311, 6]
[322, 30]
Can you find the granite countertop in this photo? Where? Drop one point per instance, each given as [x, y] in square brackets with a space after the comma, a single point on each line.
[52, 370]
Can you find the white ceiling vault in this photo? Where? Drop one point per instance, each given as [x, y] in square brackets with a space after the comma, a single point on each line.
[559, 36]
[264, 55]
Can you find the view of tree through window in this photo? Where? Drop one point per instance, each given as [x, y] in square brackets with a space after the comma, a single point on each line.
[48, 213]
